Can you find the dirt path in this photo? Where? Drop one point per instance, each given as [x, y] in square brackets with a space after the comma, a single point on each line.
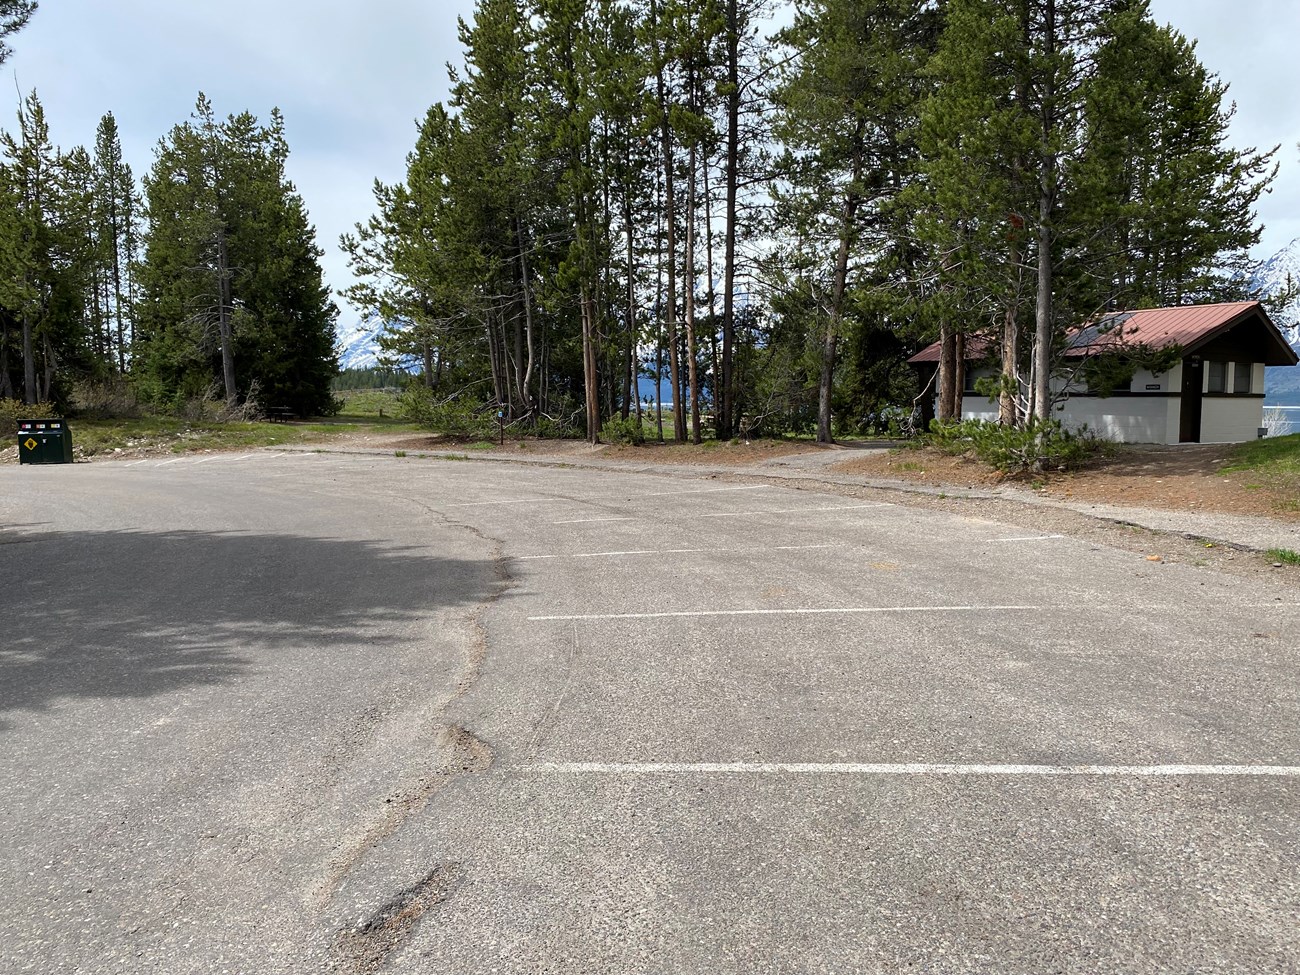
[1183, 478]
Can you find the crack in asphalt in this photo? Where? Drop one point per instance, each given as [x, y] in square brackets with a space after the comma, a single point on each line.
[465, 755]
[365, 949]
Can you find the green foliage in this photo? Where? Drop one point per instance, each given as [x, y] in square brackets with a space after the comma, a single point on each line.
[620, 431]
[230, 284]
[455, 417]
[373, 379]
[1038, 446]
[13, 410]
[1284, 555]
[14, 15]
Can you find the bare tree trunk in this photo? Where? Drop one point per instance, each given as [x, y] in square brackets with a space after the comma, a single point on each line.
[51, 366]
[826, 381]
[632, 391]
[689, 296]
[426, 355]
[670, 310]
[494, 360]
[727, 418]
[713, 312]
[591, 378]
[6, 384]
[521, 391]
[1046, 201]
[947, 371]
[659, 380]
[1007, 413]
[29, 361]
[959, 375]
[116, 231]
[224, 325]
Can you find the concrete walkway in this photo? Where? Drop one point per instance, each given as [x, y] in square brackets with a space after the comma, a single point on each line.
[812, 468]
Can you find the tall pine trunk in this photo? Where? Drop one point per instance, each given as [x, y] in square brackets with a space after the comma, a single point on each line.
[666, 160]
[688, 294]
[526, 386]
[224, 325]
[1046, 202]
[947, 371]
[590, 375]
[830, 337]
[29, 361]
[727, 418]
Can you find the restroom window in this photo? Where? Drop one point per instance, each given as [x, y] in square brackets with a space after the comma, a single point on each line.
[1242, 373]
[1218, 377]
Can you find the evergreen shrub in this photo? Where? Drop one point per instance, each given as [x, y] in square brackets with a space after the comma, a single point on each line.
[13, 410]
[621, 431]
[454, 417]
[1035, 447]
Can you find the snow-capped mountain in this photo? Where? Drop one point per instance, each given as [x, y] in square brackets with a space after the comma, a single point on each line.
[1270, 277]
[358, 346]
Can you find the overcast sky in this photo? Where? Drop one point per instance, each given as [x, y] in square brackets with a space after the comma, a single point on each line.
[352, 79]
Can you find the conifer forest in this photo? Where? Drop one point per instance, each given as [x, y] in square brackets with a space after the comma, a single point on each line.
[758, 218]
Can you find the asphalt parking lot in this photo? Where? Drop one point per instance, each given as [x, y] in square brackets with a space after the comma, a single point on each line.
[300, 712]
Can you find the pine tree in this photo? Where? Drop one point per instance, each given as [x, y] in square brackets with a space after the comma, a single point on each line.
[28, 245]
[230, 281]
[14, 15]
[845, 106]
[116, 221]
[1165, 208]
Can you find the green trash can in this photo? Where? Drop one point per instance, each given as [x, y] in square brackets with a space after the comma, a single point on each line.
[46, 441]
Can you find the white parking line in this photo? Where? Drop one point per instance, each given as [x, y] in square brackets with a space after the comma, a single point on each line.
[670, 551]
[790, 612]
[1029, 538]
[137, 463]
[607, 497]
[206, 460]
[677, 494]
[792, 511]
[856, 768]
[590, 521]
[176, 460]
[479, 504]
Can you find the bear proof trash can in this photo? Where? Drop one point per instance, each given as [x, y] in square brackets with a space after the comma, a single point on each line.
[47, 441]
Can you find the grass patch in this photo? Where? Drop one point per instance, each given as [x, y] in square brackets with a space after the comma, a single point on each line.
[1284, 555]
[96, 437]
[371, 404]
[1272, 455]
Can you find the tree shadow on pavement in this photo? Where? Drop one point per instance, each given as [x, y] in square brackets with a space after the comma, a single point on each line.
[135, 614]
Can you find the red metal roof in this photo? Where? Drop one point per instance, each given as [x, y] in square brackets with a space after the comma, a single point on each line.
[1187, 326]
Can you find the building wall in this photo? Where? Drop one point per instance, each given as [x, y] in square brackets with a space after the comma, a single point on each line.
[1127, 419]
[1231, 419]
[1155, 417]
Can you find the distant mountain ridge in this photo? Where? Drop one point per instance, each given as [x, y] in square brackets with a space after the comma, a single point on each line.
[358, 346]
[1270, 277]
